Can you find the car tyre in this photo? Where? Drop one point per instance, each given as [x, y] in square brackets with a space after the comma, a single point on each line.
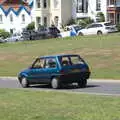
[55, 83]
[82, 83]
[24, 82]
[99, 33]
[80, 34]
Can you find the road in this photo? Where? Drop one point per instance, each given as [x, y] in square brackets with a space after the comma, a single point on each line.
[99, 87]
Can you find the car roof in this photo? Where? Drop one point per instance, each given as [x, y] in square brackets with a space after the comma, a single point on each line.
[61, 55]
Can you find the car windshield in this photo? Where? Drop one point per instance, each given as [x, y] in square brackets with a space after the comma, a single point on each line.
[77, 28]
[71, 60]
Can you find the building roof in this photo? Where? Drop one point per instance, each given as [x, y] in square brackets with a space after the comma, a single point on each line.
[14, 5]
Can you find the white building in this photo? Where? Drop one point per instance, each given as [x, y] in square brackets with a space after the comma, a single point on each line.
[90, 8]
[48, 12]
[59, 12]
[14, 15]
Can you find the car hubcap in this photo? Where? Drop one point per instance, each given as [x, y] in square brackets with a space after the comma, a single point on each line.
[24, 82]
[54, 83]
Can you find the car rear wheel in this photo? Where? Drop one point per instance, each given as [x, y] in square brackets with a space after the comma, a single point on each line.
[82, 83]
[24, 82]
[55, 83]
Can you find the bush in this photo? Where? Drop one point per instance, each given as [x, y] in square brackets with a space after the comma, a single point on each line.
[31, 26]
[4, 34]
[118, 27]
[84, 21]
[71, 21]
[101, 17]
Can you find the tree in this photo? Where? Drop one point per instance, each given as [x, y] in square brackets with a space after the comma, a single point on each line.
[100, 17]
[4, 34]
[31, 26]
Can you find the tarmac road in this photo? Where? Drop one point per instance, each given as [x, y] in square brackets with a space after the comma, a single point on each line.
[99, 87]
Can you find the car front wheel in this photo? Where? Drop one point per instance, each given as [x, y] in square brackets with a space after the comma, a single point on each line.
[99, 33]
[55, 83]
[24, 82]
[80, 34]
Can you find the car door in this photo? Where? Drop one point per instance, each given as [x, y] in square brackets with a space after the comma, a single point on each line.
[38, 72]
[91, 29]
[51, 68]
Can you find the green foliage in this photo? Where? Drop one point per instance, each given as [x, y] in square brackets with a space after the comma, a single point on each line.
[71, 21]
[118, 27]
[84, 21]
[101, 17]
[4, 34]
[31, 26]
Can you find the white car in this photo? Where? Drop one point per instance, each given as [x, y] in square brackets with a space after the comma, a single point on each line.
[71, 30]
[98, 29]
[14, 38]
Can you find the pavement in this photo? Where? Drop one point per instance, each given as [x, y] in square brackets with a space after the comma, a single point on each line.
[95, 80]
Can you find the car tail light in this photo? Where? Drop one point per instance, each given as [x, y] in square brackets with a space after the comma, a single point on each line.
[62, 71]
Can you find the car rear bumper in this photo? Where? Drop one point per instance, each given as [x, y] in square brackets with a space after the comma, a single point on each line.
[74, 77]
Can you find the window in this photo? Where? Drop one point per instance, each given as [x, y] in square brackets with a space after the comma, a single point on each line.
[98, 5]
[1, 18]
[56, 2]
[23, 18]
[56, 19]
[11, 18]
[50, 63]
[44, 3]
[39, 63]
[82, 6]
[38, 4]
[45, 21]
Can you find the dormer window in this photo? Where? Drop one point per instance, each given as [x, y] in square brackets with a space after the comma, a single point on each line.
[1, 18]
[11, 18]
[23, 18]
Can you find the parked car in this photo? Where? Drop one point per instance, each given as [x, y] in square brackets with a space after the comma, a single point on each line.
[56, 70]
[2, 40]
[14, 38]
[71, 30]
[98, 29]
[50, 32]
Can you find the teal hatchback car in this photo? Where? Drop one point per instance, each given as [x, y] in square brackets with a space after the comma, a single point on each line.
[56, 70]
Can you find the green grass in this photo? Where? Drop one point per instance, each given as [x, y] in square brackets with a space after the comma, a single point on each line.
[101, 52]
[39, 105]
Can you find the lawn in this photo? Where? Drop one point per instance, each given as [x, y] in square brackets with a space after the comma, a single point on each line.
[41, 105]
[101, 52]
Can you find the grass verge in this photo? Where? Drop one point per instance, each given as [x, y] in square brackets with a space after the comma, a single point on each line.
[39, 105]
[101, 52]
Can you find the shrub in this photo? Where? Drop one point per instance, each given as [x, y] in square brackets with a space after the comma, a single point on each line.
[84, 21]
[31, 26]
[4, 34]
[118, 27]
[71, 21]
[100, 17]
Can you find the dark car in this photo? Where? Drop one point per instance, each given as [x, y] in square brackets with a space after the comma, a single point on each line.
[56, 70]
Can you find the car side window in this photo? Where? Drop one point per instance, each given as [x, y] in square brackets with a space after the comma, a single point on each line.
[39, 63]
[50, 63]
[65, 61]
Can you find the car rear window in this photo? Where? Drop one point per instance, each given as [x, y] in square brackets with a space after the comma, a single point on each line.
[108, 24]
[71, 60]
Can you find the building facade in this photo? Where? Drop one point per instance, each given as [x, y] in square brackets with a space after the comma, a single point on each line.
[59, 12]
[15, 15]
[49, 12]
[90, 8]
